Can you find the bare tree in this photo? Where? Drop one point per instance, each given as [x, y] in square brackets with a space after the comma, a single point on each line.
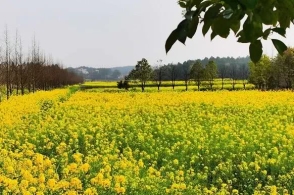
[7, 62]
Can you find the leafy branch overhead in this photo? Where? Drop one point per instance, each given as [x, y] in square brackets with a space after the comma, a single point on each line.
[246, 18]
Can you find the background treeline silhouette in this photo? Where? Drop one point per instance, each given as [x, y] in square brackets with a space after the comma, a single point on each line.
[227, 67]
[22, 73]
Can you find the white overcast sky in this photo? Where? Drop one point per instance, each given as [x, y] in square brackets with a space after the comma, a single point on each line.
[102, 33]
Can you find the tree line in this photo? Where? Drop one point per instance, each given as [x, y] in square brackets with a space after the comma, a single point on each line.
[266, 74]
[22, 73]
[273, 73]
[197, 70]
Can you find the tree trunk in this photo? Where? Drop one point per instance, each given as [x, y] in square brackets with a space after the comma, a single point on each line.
[142, 87]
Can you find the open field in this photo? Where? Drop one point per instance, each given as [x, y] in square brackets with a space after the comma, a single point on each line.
[67, 142]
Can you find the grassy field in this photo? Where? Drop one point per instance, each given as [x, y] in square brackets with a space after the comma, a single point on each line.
[167, 85]
[67, 142]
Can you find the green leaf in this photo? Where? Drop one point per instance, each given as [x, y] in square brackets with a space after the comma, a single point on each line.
[212, 35]
[232, 3]
[255, 50]
[182, 31]
[212, 12]
[173, 37]
[195, 3]
[189, 15]
[204, 4]
[235, 25]
[182, 36]
[193, 26]
[227, 14]
[221, 27]
[182, 4]
[249, 4]
[280, 46]
[252, 28]
[242, 38]
[280, 31]
[206, 27]
[284, 19]
[267, 15]
[266, 33]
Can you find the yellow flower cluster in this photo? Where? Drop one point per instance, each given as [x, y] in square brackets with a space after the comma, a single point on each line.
[147, 143]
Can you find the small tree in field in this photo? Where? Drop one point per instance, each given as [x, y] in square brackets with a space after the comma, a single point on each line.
[197, 73]
[233, 74]
[222, 69]
[244, 74]
[211, 72]
[187, 74]
[142, 72]
[158, 74]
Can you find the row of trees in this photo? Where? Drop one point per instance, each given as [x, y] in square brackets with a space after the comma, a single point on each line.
[193, 70]
[31, 72]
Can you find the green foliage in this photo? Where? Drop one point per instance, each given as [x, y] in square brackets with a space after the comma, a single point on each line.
[142, 72]
[273, 73]
[260, 71]
[283, 68]
[197, 73]
[211, 70]
[222, 16]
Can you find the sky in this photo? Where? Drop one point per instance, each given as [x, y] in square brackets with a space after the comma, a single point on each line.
[102, 34]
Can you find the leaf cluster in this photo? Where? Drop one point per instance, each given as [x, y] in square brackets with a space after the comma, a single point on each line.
[247, 19]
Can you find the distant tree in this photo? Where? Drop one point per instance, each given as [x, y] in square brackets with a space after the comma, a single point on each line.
[187, 74]
[142, 72]
[222, 70]
[197, 73]
[158, 74]
[260, 72]
[173, 75]
[131, 75]
[210, 72]
[233, 74]
[284, 68]
[244, 74]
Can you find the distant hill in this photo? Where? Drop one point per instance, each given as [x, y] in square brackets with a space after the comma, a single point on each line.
[90, 73]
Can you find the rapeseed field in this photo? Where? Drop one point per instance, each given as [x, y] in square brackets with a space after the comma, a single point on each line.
[147, 143]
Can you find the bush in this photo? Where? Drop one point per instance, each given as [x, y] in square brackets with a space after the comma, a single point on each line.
[123, 85]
